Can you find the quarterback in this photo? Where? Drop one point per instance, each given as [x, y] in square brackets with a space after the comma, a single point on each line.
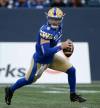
[46, 56]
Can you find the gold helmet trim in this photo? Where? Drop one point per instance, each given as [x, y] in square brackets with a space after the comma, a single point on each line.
[55, 12]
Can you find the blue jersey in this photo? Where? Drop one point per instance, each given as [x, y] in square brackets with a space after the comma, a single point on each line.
[48, 33]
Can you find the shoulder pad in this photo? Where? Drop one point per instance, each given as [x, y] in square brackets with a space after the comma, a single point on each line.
[45, 32]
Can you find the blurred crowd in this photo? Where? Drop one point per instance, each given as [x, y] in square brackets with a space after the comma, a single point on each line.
[40, 4]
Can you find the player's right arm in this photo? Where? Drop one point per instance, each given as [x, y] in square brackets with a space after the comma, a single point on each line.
[46, 49]
[45, 46]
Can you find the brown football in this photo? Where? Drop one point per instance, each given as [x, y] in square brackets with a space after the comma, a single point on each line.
[68, 51]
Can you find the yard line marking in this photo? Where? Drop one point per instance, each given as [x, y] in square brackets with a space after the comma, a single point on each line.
[79, 91]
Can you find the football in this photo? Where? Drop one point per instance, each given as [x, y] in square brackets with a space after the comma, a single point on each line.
[68, 51]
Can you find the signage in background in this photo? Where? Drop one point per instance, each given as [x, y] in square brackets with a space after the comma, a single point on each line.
[15, 58]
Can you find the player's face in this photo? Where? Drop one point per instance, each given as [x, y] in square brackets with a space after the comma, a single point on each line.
[55, 21]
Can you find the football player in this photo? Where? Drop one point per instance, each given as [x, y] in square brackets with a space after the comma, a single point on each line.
[45, 56]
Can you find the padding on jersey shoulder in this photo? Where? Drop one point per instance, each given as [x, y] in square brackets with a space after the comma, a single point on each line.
[45, 35]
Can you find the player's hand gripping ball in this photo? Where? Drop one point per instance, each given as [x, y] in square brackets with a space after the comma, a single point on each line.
[68, 51]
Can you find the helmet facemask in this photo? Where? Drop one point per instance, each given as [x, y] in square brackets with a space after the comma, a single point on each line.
[54, 22]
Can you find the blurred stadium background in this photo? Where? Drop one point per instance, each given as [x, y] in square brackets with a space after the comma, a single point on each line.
[20, 21]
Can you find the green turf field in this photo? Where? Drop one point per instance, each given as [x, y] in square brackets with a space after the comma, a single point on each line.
[52, 96]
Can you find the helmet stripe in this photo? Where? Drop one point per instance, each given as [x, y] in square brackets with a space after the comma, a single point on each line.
[54, 11]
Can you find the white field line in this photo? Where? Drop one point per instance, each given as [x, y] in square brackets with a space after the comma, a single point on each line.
[81, 91]
[52, 86]
[66, 91]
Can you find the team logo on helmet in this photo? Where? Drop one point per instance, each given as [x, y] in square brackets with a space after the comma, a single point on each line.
[55, 12]
[55, 16]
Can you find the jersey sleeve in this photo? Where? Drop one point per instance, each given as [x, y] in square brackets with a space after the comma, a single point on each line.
[45, 33]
